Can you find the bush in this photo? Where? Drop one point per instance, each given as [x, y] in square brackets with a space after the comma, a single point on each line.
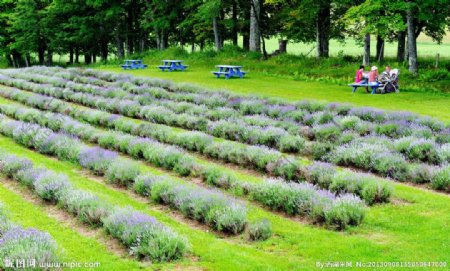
[391, 129]
[96, 159]
[287, 168]
[216, 177]
[347, 210]
[122, 171]
[444, 153]
[441, 180]
[18, 243]
[423, 173]
[87, 207]
[50, 185]
[292, 198]
[213, 208]
[145, 236]
[260, 230]
[320, 174]
[423, 150]
[10, 165]
[370, 189]
[391, 165]
[327, 132]
[290, 143]
[322, 151]
[232, 218]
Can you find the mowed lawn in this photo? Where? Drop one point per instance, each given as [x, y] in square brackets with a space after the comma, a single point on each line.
[432, 104]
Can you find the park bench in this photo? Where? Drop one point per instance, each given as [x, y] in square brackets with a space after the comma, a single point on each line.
[133, 64]
[172, 65]
[229, 71]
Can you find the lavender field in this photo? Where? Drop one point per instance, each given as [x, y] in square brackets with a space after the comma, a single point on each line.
[173, 176]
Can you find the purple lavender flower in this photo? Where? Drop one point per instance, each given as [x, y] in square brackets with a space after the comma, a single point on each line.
[96, 159]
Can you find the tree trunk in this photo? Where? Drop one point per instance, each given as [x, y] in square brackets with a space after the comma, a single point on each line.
[87, 58]
[130, 30]
[217, 42]
[104, 51]
[380, 49]
[235, 30]
[77, 55]
[255, 33]
[164, 40]
[27, 60]
[119, 44]
[412, 46]
[94, 58]
[10, 60]
[401, 40]
[49, 57]
[366, 57]
[192, 47]
[41, 55]
[71, 55]
[246, 31]
[158, 38]
[16, 59]
[323, 26]
[282, 46]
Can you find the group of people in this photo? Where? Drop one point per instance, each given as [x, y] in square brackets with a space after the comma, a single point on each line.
[388, 80]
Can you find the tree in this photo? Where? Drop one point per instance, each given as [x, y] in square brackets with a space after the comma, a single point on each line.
[28, 30]
[412, 46]
[382, 18]
[255, 32]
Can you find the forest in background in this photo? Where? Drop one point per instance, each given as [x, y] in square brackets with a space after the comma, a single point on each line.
[32, 31]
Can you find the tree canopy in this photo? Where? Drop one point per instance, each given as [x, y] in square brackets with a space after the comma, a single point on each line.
[33, 30]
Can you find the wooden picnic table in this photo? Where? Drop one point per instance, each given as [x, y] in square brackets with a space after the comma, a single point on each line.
[172, 65]
[229, 71]
[133, 64]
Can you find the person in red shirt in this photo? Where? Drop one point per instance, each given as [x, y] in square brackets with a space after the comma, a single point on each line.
[360, 77]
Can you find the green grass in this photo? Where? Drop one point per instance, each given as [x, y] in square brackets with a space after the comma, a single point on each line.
[257, 83]
[413, 229]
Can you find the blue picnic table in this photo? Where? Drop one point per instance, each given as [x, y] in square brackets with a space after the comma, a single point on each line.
[229, 71]
[357, 85]
[173, 65]
[133, 64]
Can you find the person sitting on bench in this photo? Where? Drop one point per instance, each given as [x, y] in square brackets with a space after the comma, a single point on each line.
[361, 77]
[373, 77]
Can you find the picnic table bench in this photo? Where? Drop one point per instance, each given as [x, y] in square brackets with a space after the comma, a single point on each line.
[373, 87]
[172, 65]
[229, 71]
[133, 64]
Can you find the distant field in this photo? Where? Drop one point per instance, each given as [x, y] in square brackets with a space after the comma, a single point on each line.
[425, 46]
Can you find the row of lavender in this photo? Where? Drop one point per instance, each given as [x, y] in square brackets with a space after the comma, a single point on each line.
[210, 207]
[177, 160]
[21, 247]
[372, 156]
[143, 235]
